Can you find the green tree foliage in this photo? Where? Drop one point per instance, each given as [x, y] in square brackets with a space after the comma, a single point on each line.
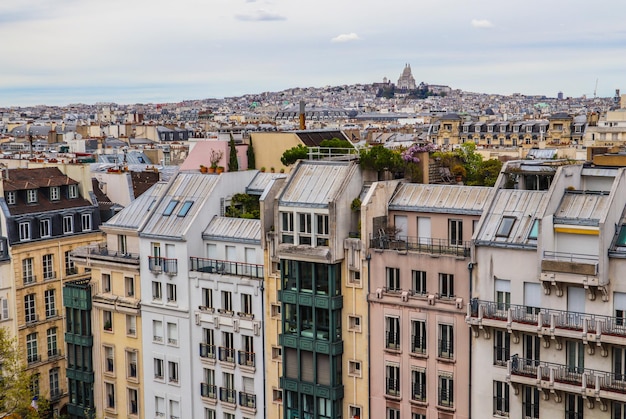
[250, 154]
[380, 158]
[233, 164]
[244, 206]
[294, 154]
[336, 143]
[488, 172]
[15, 394]
[478, 172]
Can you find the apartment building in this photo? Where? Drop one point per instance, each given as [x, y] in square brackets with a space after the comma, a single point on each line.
[419, 249]
[548, 303]
[316, 297]
[169, 237]
[46, 214]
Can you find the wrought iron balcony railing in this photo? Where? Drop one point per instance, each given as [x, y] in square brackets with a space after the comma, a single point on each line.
[421, 245]
[207, 351]
[226, 267]
[166, 265]
[246, 358]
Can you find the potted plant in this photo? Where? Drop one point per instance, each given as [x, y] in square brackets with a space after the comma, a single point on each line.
[203, 169]
[220, 169]
[216, 156]
[459, 172]
[263, 169]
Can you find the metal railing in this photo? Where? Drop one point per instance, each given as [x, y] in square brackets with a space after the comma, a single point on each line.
[570, 257]
[226, 354]
[208, 390]
[418, 344]
[159, 264]
[246, 358]
[420, 245]
[418, 392]
[392, 387]
[228, 395]
[103, 251]
[207, 351]
[445, 349]
[247, 400]
[226, 267]
[392, 340]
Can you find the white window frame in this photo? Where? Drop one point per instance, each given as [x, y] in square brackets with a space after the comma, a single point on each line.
[55, 193]
[11, 198]
[68, 224]
[85, 220]
[24, 229]
[44, 228]
[72, 191]
[31, 196]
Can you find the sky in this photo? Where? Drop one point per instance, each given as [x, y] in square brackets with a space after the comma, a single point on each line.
[58, 52]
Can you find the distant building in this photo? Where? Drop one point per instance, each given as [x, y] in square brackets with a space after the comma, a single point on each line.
[406, 80]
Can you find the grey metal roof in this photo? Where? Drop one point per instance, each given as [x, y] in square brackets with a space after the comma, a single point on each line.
[454, 199]
[524, 205]
[136, 213]
[541, 154]
[233, 229]
[586, 208]
[186, 186]
[315, 183]
[260, 182]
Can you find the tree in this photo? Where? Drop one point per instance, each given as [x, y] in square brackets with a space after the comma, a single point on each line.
[250, 154]
[233, 164]
[380, 158]
[15, 394]
[299, 152]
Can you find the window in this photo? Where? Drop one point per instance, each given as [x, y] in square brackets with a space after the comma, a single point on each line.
[51, 340]
[172, 371]
[24, 228]
[354, 368]
[171, 293]
[619, 410]
[129, 284]
[44, 228]
[32, 354]
[30, 314]
[131, 368]
[55, 193]
[500, 398]
[172, 333]
[392, 333]
[158, 368]
[227, 301]
[419, 282]
[534, 232]
[170, 207]
[227, 350]
[503, 294]
[53, 377]
[34, 385]
[11, 198]
[446, 390]
[110, 395]
[532, 347]
[418, 416]
[418, 384]
[455, 232]
[107, 320]
[122, 244]
[246, 303]
[48, 266]
[277, 353]
[50, 303]
[157, 331]
[85, 222]
[418, 336]
[68, 224]
[209, 413]
[31, 196]
[185, 208]
[354, 323]
[304, 228]
[106, 283]
[501, 347]
[530, 402]
[446, 341]
[446, 285]
[393, 413]
[157, 293]
[275, 310]
[393, 279]
[574, 406]
[131, 325]
[4, 309]
[109, 360]
[70, 269]
[287, 227]
[27, 271]
[133, 405]
[322, 229]
[392, 380]
[73, 191]
[505, 227]
[207, 298]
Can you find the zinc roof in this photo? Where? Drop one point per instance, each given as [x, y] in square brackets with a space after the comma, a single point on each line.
[582, 208]
[523, 205]
[186, 186]
[233, 229]
[260, 182]
[136, 213]
[315, 183]
[454, 199]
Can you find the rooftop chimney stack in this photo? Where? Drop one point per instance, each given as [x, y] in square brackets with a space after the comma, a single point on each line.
[302, 120]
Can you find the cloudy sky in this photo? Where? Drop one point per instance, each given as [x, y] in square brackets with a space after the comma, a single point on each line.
[129, 51]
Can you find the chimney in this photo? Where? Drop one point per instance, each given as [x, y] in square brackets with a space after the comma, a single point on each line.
[302, 120]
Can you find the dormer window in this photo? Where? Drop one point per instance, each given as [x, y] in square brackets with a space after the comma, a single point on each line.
[477, 129]
[502, 128]
[490, 128]
[73, 191]
[516, 128]
[529, 128]
[31, 196]
[55, 193]
[465, 128]
[11, 198]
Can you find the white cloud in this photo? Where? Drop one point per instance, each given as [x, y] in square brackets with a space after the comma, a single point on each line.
[259, 15]
[346, 37]
[481, 23]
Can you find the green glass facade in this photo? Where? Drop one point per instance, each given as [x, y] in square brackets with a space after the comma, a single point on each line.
[311, 339]
[79, 340]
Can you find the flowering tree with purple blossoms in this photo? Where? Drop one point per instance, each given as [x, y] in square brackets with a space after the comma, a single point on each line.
[410, 155]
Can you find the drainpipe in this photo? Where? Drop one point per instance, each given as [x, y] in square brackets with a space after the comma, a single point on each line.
[470, 269]
[369, 343]
[262, 289]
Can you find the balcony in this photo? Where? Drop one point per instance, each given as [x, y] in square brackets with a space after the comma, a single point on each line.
[51, 313]
[54, 354]
[427, 245]
[572, 268]
[549, 322]
[29, 279]
[101, 252]
[227, 354]
[55, 394]
[228, 395]
[33, 359]
[225, 267]
[418, 345]
[166, 265]
[558, 377]
[48, 276]
[247, 400]
[208, 390]
[207, 351]
[246, 358]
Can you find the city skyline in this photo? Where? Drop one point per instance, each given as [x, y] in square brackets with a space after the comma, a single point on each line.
[71, 51]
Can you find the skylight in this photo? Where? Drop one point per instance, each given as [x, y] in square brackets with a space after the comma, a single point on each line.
[534, 231]
[506, 225]
[621, 239]
[170, 207]
[185, 208]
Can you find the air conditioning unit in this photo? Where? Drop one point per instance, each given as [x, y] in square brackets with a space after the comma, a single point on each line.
[431, 299]
[405, 296]
[459, 303]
